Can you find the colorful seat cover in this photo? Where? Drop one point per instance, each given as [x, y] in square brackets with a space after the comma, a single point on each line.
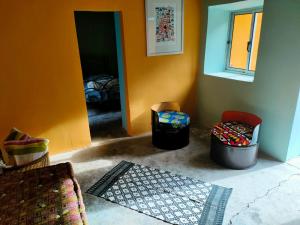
[173, 118]
[233, 133]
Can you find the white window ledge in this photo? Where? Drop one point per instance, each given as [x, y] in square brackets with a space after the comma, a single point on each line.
[232, 76]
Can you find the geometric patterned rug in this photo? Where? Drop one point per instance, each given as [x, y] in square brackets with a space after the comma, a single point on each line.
[163, 195]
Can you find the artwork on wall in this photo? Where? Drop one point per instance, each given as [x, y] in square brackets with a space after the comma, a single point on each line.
[164, 24]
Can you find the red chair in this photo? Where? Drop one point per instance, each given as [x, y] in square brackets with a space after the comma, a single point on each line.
[234, 141]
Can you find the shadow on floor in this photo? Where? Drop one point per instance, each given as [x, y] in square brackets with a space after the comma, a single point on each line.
[193, 160]
[105, 122]
[204, 160]
[91, 163]
[136, 147]
[251, 185]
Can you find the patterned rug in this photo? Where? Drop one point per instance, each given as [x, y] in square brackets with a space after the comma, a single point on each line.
[161, 194]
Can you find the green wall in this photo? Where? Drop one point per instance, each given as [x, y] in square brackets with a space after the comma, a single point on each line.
[274, 93]
[294, 146]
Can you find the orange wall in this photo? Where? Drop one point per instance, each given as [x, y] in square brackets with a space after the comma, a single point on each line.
[41, 87]
[240, 38]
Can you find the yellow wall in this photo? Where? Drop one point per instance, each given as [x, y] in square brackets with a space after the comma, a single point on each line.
[41, 87]
[240, 38]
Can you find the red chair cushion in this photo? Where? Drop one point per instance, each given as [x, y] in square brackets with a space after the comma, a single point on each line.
[233, 133]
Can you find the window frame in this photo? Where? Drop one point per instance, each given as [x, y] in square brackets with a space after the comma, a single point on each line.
[228, 68]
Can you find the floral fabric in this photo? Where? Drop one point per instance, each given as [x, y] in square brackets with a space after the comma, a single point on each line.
[233, 133]
[173, 118]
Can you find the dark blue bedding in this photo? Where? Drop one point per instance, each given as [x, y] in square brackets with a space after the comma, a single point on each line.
[101, 88]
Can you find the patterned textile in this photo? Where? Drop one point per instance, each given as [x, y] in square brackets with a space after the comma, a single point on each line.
[48, 195]
[23, 149]
[233, 133]
[176, 119]
[15, 134]
[161, 194]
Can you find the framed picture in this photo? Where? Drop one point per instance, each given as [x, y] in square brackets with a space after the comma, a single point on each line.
[164, 24]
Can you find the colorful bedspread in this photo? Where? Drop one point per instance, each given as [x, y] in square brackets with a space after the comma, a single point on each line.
[49, 195]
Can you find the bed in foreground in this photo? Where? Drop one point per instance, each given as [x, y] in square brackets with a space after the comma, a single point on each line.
[49, 195]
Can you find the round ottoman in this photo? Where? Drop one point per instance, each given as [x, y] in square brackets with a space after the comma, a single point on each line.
[231, 156]
[170, 129]
[234, 140]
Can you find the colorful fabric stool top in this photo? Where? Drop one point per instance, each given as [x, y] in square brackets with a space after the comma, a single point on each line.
[233, 133]
[173, 118]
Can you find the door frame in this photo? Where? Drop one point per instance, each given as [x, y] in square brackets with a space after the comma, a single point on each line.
[121, 68]
[118, 21]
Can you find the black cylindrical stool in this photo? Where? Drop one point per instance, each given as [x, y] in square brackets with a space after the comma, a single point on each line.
[170, 127]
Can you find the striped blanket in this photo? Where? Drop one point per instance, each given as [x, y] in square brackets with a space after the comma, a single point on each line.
[23, 149]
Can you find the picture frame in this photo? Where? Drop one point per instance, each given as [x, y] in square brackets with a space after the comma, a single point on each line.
[164, 27]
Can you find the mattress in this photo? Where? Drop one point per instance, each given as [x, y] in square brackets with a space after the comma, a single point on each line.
[49, 195]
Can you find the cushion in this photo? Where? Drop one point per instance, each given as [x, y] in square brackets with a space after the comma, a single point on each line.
[23, 149]
[15, 134]
[233, 133]
[173, 118]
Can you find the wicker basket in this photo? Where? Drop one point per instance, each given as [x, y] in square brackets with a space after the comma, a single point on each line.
[39, 163]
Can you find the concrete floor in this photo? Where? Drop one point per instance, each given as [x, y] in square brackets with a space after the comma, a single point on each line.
[268, 193]
[105, 123]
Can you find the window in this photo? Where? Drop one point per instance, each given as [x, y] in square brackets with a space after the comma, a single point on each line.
[243, 41]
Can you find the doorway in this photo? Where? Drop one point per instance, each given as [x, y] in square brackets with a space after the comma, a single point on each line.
[100, 46]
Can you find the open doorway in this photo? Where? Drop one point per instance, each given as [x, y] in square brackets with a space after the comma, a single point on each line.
[100, 46]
